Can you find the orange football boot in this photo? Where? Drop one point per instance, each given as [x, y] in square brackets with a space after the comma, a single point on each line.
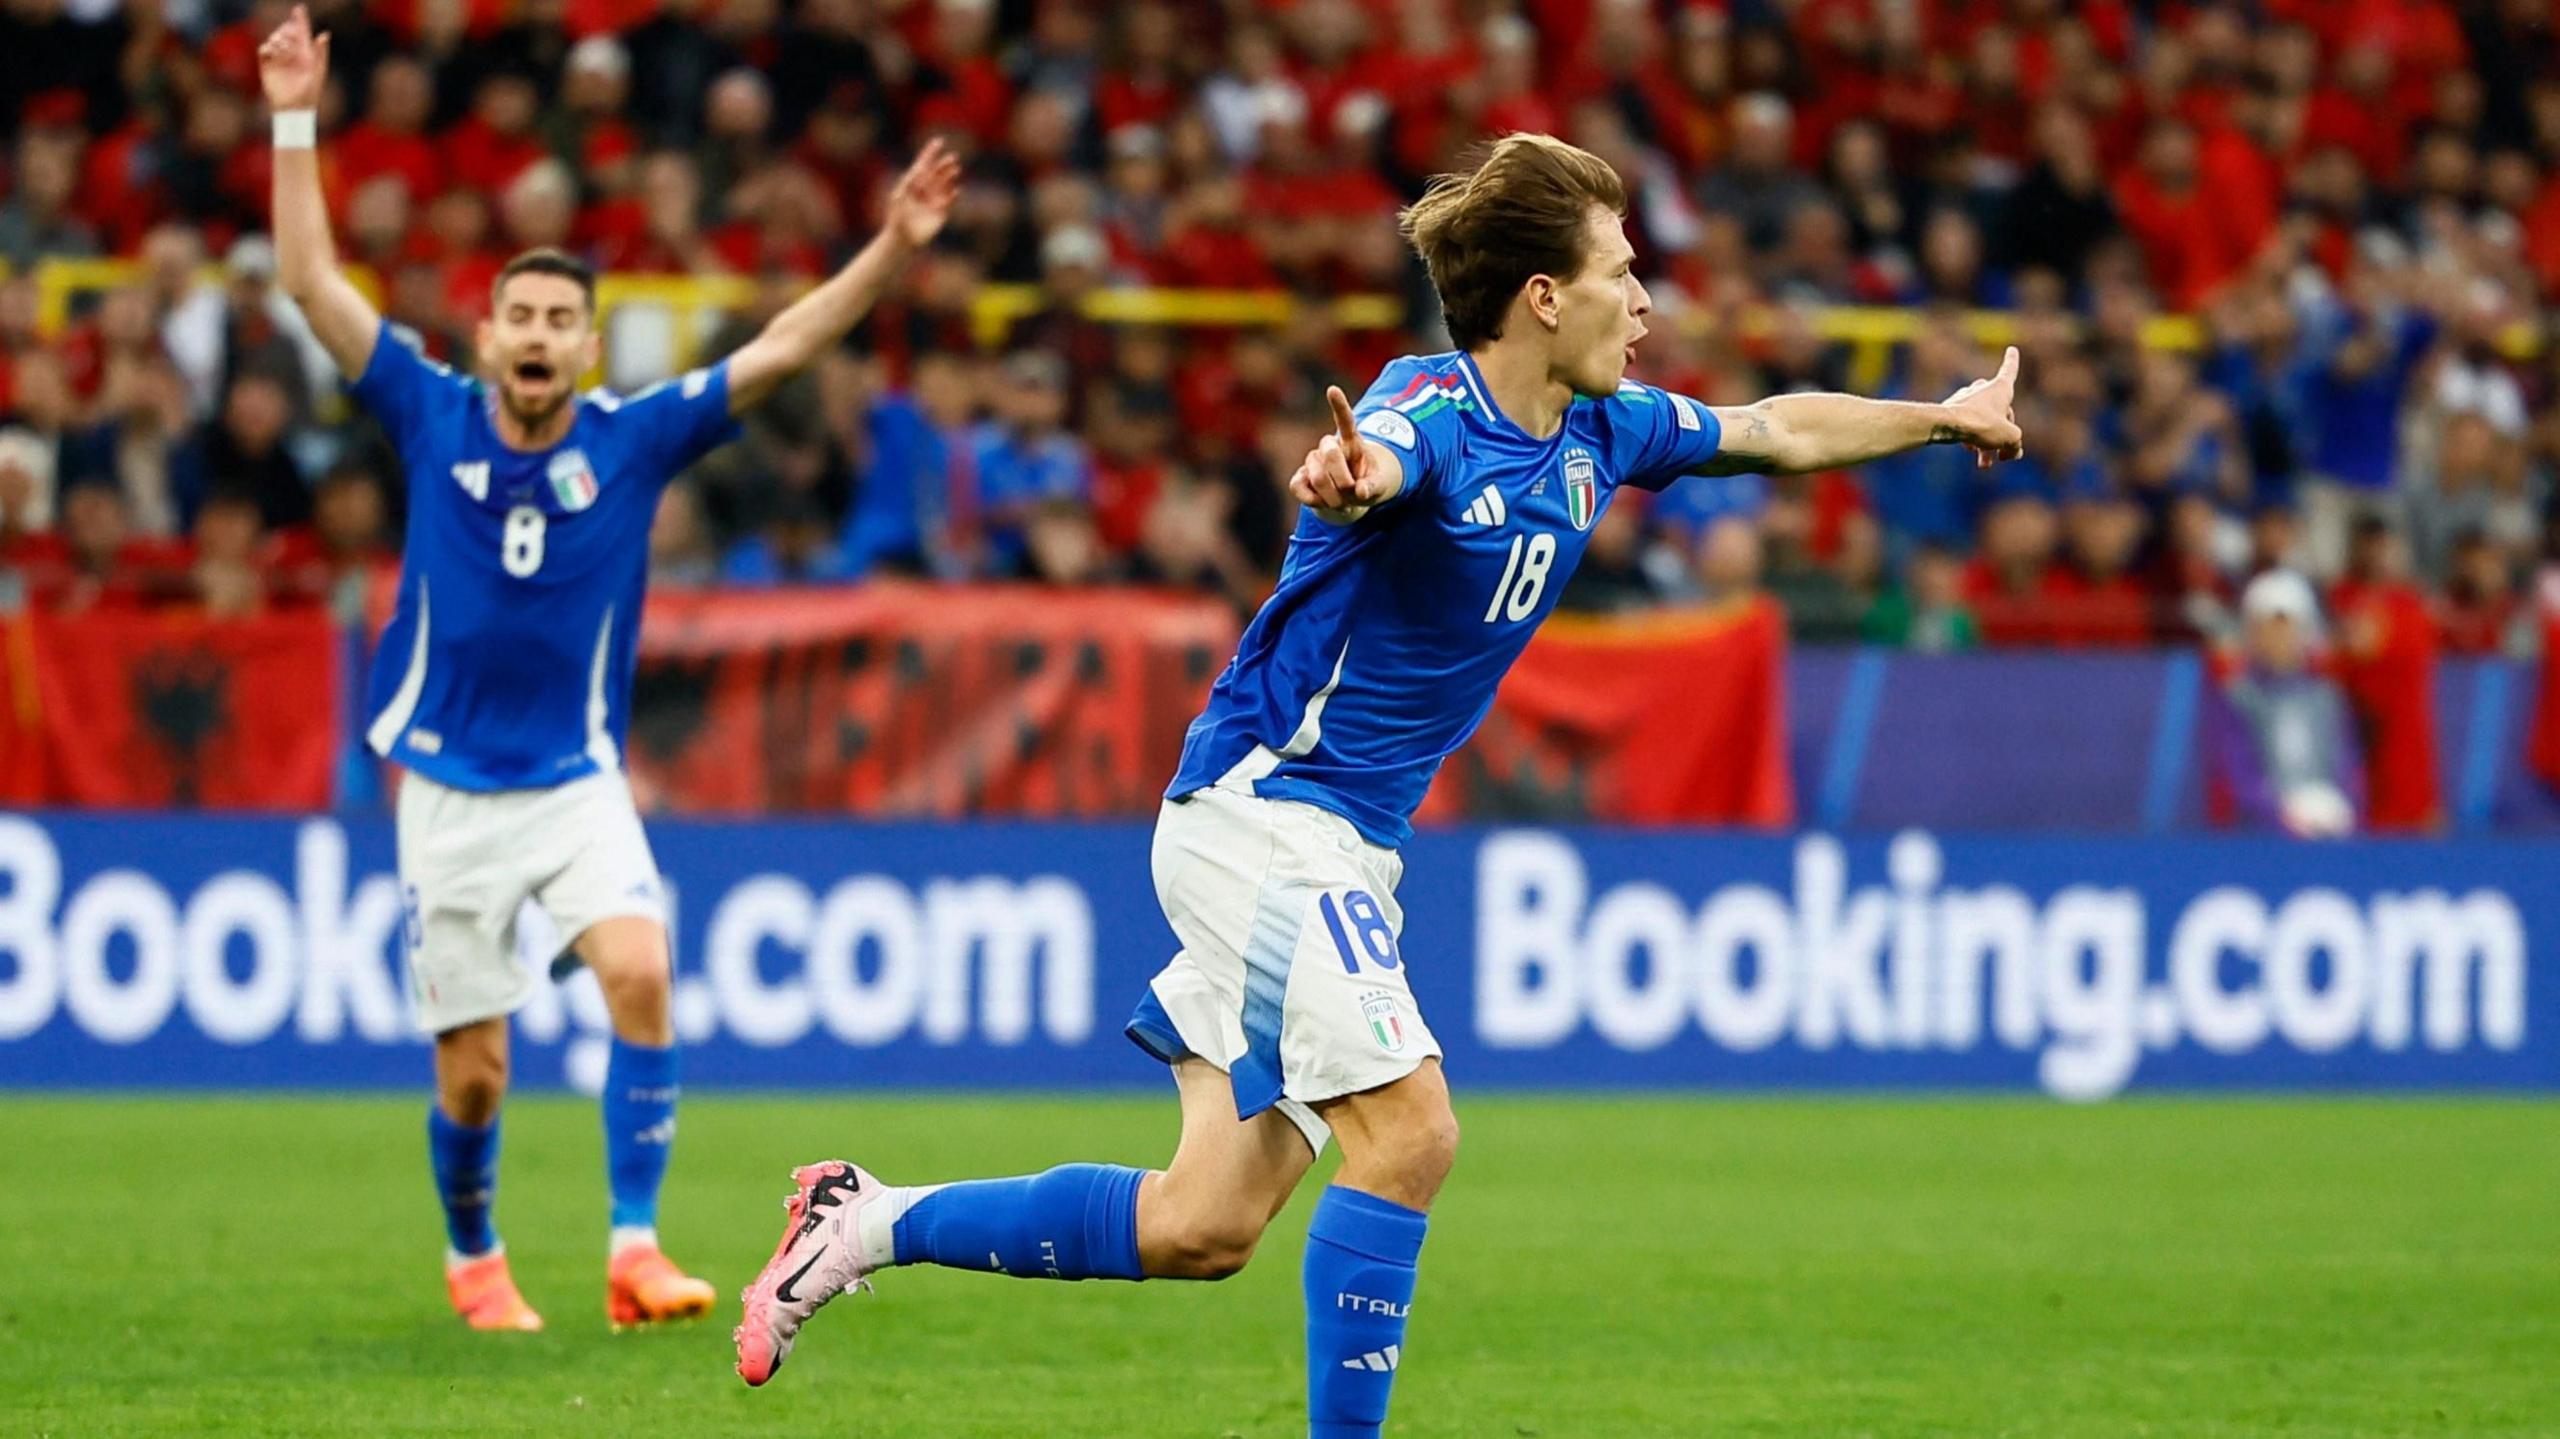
[484, 1294]
[644, 1286]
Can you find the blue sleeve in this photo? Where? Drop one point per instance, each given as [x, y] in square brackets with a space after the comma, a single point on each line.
[399, 385]
[1414, 411]
[1661, 436]
[2417, 334]
[678, 421]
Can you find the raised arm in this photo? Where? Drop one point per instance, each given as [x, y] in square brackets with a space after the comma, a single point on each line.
[293, 65]
[1794, 434]
[1345, 476]
[818, 320]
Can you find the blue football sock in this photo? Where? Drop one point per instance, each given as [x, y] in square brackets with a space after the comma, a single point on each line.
[1361, 1252]
[1078, 1221]
[465, 1160]
[639, 1128]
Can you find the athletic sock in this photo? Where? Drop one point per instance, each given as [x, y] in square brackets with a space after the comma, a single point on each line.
[639, 1129]
[1077, 1221]
[465, 1160]
[1361, 1255]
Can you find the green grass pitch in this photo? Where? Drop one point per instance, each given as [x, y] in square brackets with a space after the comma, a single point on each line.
[1599, 1267]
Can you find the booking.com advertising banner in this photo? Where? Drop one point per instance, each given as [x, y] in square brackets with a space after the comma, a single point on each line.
[254, 952]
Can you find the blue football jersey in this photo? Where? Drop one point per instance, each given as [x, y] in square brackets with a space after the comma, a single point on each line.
[508, 662]
[1379, 652]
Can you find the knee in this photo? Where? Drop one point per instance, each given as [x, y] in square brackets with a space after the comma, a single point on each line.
[1410, 1164]
[1208, 1247]
[1432, 1151]
[634, 972]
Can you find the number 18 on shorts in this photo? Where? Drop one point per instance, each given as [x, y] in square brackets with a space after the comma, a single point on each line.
[1291, 976]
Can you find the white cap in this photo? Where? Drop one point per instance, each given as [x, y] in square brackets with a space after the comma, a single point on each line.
[602, 54]
[1074, 245]
[24, 450]
[2281, 593]
[251, 255]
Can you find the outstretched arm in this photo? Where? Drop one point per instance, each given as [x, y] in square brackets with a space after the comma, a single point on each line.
[1793, 434]
[293, 65]
[794, 339]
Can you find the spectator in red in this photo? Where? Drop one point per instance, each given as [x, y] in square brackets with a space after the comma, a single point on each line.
[1130, 415]
[1208, 243]
[233, 552]
[2388, 663]
[2011, 578]
[467, 264]
[378, 225]
[2356, 113]
[1143, 85]
[2190, 243]
[2097, 597]
[586, 129]
[962, 74]
[391, 140]
[109, 567]
[496, 141]
[658, 231]
[1689, 115]
[1510, 94]
[2480, 612]
[842, 148]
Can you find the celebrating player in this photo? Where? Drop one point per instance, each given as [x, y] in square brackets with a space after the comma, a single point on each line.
[1442, 519]
[505, 677]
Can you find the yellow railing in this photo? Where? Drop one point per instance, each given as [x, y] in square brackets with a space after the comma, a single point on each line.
[1871, 333]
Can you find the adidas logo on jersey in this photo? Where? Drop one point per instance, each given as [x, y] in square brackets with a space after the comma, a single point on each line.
[1488, 509]
[1379, 1361]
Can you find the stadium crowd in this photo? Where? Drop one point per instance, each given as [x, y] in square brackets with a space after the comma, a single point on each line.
[2356, 201]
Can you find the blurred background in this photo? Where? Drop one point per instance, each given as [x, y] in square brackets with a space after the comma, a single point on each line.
[2275, 564]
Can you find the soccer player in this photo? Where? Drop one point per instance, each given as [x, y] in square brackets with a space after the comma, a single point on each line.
[504, 681]
[1441, 520]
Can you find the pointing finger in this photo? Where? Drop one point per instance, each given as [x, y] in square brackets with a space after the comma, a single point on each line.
[1347, 427]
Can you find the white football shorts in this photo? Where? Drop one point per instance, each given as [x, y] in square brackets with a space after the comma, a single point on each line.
[469, 861]
[1291, 976]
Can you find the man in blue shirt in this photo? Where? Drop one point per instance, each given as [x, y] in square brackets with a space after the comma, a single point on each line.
[1441, 520]
[503, 683]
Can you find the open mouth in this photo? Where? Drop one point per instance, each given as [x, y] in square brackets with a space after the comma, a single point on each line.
[532, 372]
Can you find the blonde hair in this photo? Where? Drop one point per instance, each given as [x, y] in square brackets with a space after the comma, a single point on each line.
[1522, 211]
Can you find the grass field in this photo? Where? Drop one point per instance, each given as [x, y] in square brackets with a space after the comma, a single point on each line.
[1599, 1267]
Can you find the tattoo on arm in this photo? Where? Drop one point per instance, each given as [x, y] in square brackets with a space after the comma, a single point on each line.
[1749, 446]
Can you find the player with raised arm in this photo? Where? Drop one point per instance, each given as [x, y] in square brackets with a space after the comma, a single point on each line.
[503, 683]
[1441, 520]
